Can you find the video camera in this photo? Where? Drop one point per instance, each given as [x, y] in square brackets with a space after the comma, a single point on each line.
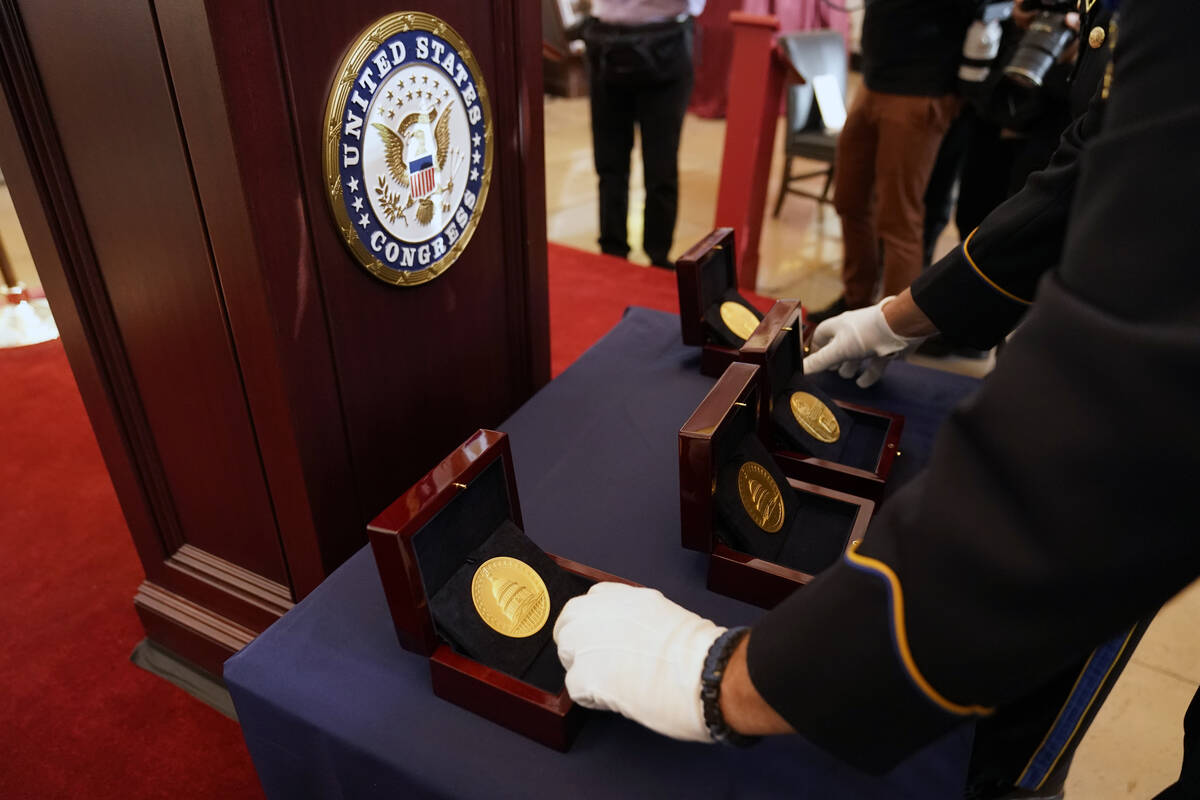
[1003, 68]
[1043, 44]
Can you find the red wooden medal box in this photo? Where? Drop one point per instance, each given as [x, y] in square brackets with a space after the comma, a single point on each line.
[720, 417]
[549, 718]
[706, 270]
[767, 348]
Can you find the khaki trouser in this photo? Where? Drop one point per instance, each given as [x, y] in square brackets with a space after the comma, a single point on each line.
[885, 154]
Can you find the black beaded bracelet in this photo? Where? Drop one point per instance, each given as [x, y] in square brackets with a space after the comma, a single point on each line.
[710, 688]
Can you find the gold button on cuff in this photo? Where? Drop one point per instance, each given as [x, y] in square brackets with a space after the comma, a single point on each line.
[1096, 37]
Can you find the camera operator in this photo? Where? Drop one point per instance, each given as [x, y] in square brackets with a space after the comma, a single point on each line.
[1016, 82]
[1036, 96]
[978, 292]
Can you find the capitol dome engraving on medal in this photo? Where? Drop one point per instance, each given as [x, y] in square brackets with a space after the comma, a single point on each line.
[816, 418]
[510, 597]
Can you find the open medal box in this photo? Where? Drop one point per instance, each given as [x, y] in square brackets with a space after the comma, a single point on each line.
[841, 445]
[712, 314]
[766, 531]
[470, 591]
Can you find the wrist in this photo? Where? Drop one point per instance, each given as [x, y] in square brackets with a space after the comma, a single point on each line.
[713, 684]
[744, 709]
[904, 318]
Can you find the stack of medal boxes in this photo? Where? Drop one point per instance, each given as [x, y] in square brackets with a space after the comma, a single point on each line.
[776, 481]
[776, 478]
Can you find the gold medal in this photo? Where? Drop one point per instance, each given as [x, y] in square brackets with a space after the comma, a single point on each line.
[760, 496]
[510, 597]
[738, 319]
[815, 418]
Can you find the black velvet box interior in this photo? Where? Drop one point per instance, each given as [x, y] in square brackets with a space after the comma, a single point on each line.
[716, 327]
[473, 528]
[861, 436]
[815, 529]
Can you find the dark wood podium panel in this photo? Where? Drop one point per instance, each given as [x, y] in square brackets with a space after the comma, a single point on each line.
[258, 396]
[390, 342]
[121, 143]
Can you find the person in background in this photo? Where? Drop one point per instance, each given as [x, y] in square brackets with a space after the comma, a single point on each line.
[640, 73]
[911, 51]
[977, 293]
[1005, 133]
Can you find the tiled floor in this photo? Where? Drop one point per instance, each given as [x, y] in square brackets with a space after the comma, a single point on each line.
[1133, 748]
[13, 241]
[800, 253]
[31, 321]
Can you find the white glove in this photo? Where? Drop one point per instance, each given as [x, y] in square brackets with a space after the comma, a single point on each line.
[633, 651]
[857, 341]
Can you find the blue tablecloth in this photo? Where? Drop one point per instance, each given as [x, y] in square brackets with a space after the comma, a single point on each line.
[331, 707]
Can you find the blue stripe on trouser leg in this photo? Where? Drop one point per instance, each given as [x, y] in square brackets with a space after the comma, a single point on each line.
[1090, 683]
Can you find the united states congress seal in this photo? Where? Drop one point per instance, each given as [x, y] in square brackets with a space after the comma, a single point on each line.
[510, 597]
[760, 496]
[815, 417]
[738, 319]
[408, 147]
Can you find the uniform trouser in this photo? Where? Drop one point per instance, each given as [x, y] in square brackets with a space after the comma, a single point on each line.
[656, 106]
[885, 155]
[1029, 743]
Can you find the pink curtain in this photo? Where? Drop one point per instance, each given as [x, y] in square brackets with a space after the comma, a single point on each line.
[714, 41]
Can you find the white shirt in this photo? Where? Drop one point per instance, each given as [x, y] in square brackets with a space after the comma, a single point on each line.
[639, 12]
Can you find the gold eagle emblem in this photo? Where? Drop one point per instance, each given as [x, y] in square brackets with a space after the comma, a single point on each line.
[393, 150]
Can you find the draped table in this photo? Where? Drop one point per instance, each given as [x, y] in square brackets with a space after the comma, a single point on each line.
[331, 707]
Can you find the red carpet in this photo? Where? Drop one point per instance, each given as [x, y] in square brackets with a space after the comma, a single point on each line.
[589, 292]
[76, 718]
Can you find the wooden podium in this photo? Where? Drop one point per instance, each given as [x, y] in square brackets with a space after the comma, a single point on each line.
[257, 394]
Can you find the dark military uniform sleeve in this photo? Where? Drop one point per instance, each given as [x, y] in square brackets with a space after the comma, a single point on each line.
[1057, 506]
[978, 292]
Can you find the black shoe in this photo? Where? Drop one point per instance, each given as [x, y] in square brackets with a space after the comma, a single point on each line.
[664, 263]
[838, 306]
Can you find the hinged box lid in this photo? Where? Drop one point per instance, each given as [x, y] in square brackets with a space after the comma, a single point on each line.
[727, 413]
[423, 537]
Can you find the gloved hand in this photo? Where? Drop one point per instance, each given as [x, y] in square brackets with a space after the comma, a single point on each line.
[857, 341]
[633, 651]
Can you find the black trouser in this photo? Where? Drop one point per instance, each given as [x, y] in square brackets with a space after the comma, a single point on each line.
[1005, 740]
[974, 155]
[639, 75]
[989, 168]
